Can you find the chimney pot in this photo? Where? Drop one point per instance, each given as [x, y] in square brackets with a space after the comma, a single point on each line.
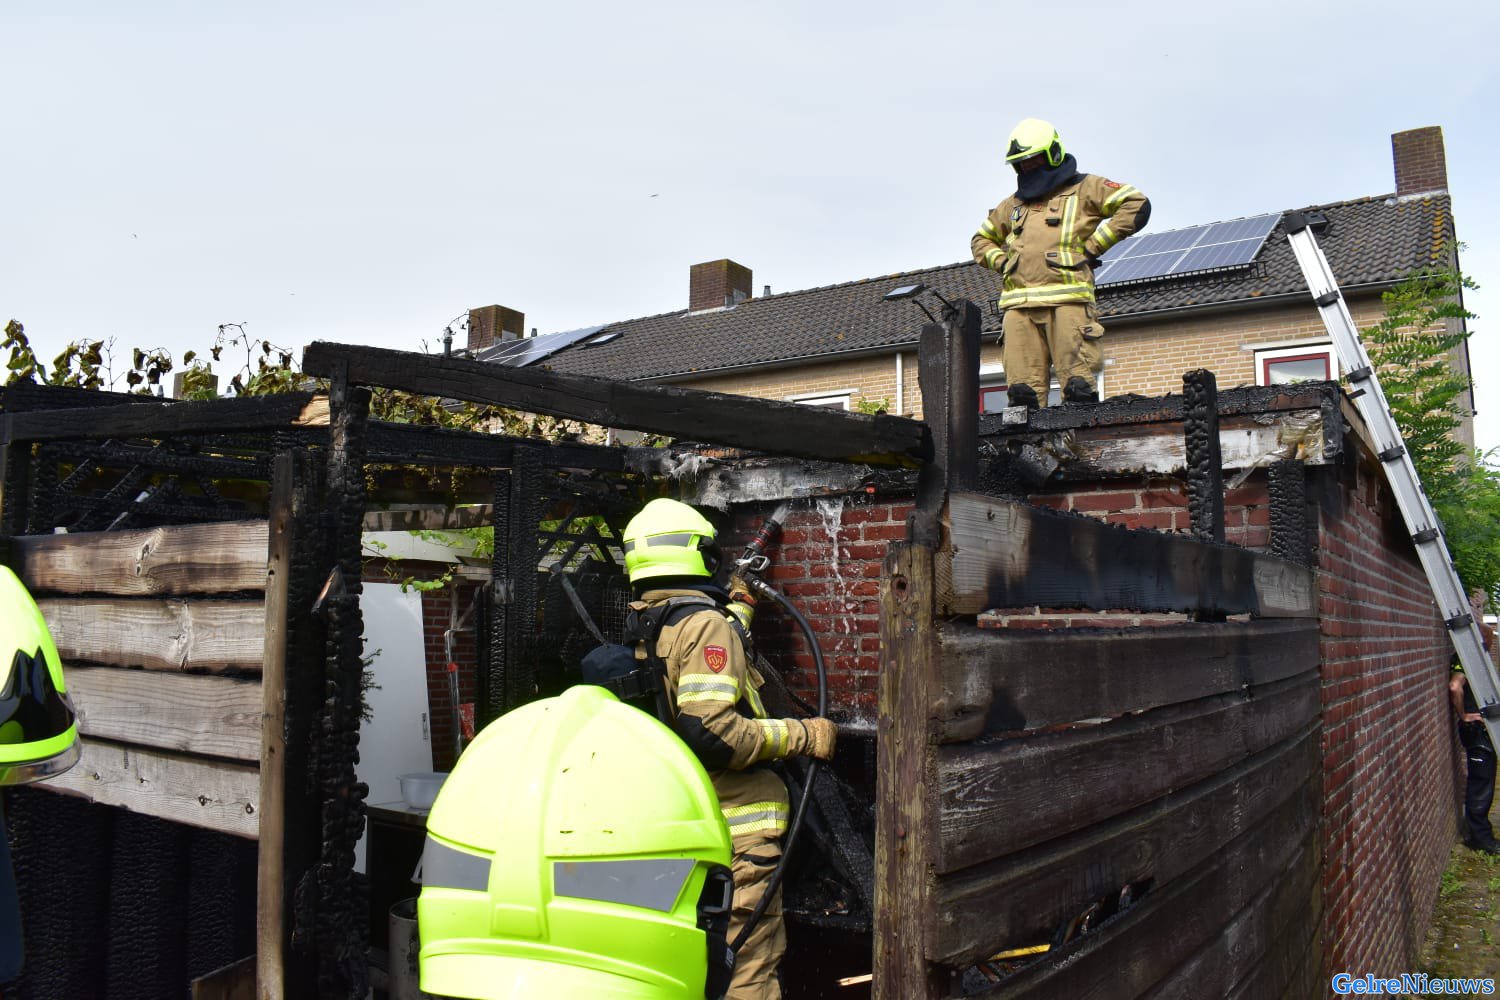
[718, 283]
[491, 325]
[1421, 165]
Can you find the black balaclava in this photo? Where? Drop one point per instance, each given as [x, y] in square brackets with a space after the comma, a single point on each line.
[1038, 184]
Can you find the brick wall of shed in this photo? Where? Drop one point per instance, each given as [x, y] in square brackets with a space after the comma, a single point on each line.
[1390, 760]
[829, 561]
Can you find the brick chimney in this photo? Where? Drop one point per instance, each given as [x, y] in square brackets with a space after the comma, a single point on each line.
[491, 325]
[717, 284]
[1421, 165]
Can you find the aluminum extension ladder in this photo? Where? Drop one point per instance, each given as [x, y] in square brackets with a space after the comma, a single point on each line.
[1368, 398]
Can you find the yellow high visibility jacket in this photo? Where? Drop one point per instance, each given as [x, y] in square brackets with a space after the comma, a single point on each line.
[715, 692]
[1044, 250]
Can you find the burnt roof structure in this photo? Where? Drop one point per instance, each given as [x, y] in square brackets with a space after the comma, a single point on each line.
[1370, 242]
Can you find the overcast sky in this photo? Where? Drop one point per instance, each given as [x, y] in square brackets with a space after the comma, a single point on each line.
[366, 172]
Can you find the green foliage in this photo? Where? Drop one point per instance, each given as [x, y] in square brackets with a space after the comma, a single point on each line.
[864, 404]
[1411, 347]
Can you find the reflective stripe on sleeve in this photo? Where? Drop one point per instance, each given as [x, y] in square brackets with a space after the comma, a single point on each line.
[993, 258]
[651, 883]
[1114, 200]
[988, 230]
[707, 687]
[1104, 236]
[755, 817]
[774, 736]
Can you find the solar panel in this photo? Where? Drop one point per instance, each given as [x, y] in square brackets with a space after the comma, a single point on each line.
[529, 350]
[1212, 247]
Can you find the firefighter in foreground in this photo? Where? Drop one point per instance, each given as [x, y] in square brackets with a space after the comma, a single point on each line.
[671, 556]
[38, 732]
[1045, 241]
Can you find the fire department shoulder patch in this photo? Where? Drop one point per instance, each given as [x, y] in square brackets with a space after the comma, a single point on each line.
[717, 658]
[1111, 184]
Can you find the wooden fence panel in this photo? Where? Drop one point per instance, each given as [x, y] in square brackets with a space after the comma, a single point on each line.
[185, 559]
[993, 799]
[994, 680]
[1129, 955]
[211, 716]
[199, 791]
[158, 634]
[1023, 897]
[1006, 555]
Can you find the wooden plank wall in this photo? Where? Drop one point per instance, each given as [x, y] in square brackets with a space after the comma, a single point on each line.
[1064, 767]
[162, 634]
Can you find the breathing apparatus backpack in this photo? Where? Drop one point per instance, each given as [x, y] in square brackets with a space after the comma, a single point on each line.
[634, 681]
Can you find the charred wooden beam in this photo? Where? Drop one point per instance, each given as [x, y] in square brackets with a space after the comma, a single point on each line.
[216, 416]
[1291, 530]
[491, 695]
[742, 421]
[903, 824]
[1007, 555]
[1124, 410]
[292, 693]
[413, 445]
[993, 681]
[1205, 472]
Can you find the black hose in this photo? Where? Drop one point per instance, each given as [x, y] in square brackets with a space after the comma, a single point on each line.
[765, 589]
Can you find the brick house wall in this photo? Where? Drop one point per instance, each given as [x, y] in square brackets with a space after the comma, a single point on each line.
[1147, 358]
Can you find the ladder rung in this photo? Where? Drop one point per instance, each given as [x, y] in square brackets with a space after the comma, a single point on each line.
[1459, 621]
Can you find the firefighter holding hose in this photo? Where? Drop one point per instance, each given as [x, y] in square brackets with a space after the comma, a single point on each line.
[671, 556]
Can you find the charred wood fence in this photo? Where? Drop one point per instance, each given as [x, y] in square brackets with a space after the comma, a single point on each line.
[1144, 801]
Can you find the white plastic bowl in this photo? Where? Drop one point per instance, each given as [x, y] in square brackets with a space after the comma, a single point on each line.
[420, 788]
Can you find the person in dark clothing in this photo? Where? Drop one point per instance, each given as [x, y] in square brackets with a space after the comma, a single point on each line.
[1479, 793]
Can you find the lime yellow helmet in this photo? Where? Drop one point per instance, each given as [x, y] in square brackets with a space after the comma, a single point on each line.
[38, 727]
[1034, 137]
[670, 539]
[577, 850]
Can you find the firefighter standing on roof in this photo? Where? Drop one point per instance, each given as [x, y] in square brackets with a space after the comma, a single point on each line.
[1045, 241]
[671, 556]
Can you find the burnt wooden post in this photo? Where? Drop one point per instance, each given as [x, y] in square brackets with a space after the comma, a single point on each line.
[15, 476]
[948, 369]
[1205, 464]
[905, 766]
[342, 907]
[528, 480]
[497, 623]
[1286, 481]
[292, 695]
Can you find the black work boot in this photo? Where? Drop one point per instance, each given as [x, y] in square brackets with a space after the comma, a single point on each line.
[1022, 394]
[1080, 390]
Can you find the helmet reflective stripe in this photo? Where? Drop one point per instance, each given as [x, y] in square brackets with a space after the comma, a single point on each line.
[454, 869]
[755, 817]
[1033, 137]
[651, 883]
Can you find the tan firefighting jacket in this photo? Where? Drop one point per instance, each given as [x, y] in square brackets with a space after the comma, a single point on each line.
[715, 692]
[1043, 249]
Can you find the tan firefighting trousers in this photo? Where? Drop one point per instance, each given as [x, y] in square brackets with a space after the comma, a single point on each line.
[755, 966]
[1067, 336]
